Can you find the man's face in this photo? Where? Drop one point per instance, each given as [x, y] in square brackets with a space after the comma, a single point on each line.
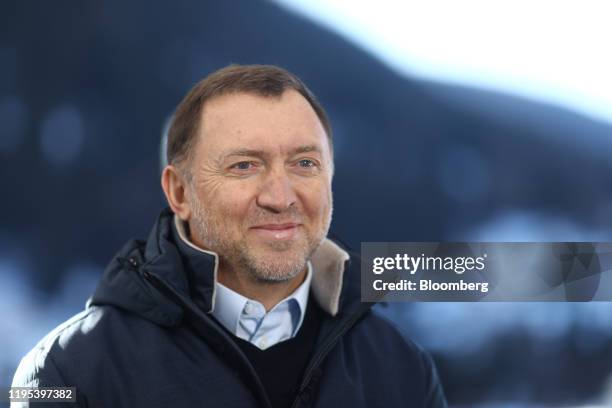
[261, 189]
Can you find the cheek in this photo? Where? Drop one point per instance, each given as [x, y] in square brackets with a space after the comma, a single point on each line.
[229, 204]
[317, 202]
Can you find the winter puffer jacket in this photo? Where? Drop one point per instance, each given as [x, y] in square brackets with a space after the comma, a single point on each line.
[146, 339]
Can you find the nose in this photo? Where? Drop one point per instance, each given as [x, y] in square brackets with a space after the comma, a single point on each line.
[277, 193]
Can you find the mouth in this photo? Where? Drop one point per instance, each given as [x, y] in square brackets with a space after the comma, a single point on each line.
[276, 231]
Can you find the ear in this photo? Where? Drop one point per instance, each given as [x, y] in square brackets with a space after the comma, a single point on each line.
[175, 188]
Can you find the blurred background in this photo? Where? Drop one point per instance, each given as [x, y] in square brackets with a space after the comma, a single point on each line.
[456, 121]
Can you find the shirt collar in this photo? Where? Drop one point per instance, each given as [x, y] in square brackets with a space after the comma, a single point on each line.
[230, 305]
[301, 296]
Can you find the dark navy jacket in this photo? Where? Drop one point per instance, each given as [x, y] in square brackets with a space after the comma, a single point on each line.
[146, 339]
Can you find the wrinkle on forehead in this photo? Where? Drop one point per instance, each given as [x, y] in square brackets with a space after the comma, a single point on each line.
[242, 117]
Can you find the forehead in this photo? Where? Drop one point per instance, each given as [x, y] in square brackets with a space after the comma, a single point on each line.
[249, 121]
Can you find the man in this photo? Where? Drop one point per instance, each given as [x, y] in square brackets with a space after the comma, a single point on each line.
[237, 298]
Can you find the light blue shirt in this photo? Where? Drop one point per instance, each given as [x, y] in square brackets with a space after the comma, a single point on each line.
[248, 320]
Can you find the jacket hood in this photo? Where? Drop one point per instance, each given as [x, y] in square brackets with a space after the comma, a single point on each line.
[191, 271]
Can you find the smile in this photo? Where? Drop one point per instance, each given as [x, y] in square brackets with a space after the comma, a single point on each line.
[276, 231]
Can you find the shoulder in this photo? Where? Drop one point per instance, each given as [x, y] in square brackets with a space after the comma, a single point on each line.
[83, 336]
[38, 363]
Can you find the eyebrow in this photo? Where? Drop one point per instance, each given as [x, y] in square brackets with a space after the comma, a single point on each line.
[306, 149]
[246, 152]
[262, 154]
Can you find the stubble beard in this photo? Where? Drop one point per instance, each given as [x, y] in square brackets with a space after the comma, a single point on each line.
[285, 261]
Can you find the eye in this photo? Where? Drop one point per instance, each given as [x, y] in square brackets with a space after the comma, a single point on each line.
[307, 167]
[307, 163]
[242, 165]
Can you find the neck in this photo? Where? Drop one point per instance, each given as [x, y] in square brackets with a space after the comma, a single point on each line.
[269, 294]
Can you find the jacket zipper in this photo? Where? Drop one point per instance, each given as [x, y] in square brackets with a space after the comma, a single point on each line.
[324, 351]
[160, 282]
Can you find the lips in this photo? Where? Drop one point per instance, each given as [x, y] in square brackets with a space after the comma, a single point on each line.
[276, 231]
[276, 226]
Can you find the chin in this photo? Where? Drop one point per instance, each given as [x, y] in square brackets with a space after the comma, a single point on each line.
[278, 266]
[287, 257]
[278, 246]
